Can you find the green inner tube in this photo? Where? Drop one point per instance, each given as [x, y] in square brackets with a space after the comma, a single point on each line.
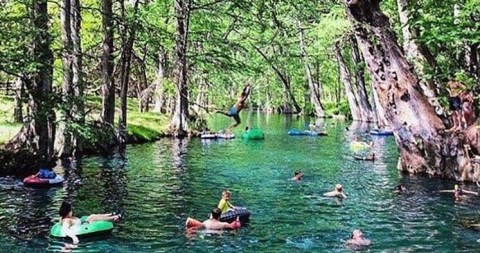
[254, 134]
[84, 229]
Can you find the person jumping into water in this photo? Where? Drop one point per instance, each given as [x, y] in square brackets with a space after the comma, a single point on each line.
[237, 107]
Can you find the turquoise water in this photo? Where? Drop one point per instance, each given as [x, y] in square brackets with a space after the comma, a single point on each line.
[156, 186]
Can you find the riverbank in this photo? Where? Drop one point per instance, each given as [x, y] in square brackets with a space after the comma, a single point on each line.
[142, 127]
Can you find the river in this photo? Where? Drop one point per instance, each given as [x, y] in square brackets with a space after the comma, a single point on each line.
[156, 186]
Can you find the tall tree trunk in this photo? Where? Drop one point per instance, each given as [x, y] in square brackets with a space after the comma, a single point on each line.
[418, 130]
[418, 54]
[159, 79]
[18, 109]
[179, 124]
[127, 41]
[37, 134]
[108, 84]
[360, 87]
[353, 103]
[285, 82]
[315, 92]
[67, 141]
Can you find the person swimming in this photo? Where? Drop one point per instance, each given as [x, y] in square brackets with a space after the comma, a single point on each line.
[337, 192]
[400, 189]
[297, 176]
[458, 192]
[357, 239]
[213, 223]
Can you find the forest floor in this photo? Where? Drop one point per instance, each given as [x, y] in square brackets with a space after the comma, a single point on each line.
[141, 126]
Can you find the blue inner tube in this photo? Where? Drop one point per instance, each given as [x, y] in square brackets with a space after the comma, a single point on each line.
[295, 132]
[230, 216]
[381, 132]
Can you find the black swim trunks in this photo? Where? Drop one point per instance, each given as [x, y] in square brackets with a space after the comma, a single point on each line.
[455, 103]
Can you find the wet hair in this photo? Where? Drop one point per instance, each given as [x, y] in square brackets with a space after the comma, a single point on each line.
[216, 213]
[65, 209]
[297, 172]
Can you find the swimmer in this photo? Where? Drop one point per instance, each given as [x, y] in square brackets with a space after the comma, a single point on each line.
[297, 176]
[213, 223]
[399, 189]
[337, 192]
[458, 192]
[357, 239]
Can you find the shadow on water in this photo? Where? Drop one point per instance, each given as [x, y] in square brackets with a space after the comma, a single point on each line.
[156, 186]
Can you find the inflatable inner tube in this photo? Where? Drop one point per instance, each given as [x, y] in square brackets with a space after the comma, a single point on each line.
[359, 146]
[381, 132]
[208, 136]
[364, 158]
[225, 136]
[230, 216]
[33, 181]
[254, 134]
[296, 132]
[85, 229]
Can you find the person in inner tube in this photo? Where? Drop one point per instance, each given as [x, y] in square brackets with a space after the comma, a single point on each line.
[224, 205]
[71, 224]
[237, 107]
[213, 223]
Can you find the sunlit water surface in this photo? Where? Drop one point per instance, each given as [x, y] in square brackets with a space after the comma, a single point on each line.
[156, 186]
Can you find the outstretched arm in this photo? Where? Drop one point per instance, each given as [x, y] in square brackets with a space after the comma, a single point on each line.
[446, 191]
[470, 192]
[245, 93]
[68, 232]
[234, 225]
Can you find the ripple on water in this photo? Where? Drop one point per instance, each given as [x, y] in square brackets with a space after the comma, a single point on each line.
[159, 185]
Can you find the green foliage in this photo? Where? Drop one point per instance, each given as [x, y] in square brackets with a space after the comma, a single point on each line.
[337, 109]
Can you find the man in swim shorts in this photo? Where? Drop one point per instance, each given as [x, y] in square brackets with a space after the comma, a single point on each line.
[237, 107]
[213, 223]
[455, 103]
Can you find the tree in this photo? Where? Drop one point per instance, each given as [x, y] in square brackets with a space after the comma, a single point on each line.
[315, 92]
[128, 38]
[179, 124]
[108, 84]
[418, 130]
[37, 134]
[73, 116]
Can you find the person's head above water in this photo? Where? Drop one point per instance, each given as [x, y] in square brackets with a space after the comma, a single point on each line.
[338, 187]
[400, 188]
[356, 234]
[216, 213]
[65, 209]
[297, 175]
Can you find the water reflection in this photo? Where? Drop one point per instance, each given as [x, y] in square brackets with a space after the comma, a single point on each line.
[157, 185]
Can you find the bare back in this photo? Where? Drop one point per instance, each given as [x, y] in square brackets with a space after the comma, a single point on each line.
[213, 224]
